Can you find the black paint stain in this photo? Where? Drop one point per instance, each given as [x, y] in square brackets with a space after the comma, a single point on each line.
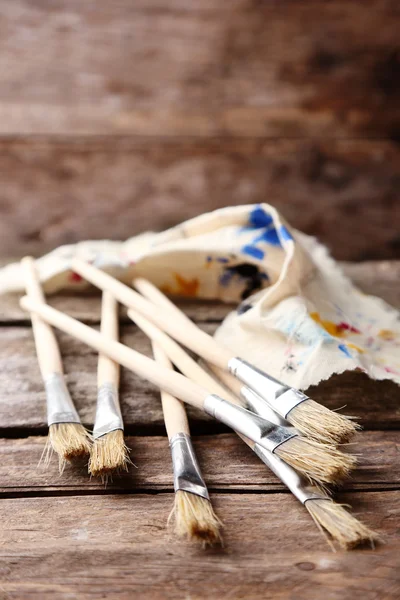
[252, 276]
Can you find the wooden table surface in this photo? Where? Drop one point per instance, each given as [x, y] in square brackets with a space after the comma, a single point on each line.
[69, 537]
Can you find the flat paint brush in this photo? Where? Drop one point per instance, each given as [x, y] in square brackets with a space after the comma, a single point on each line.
[320, 462]
[193, 512]
[309, 417]
[67, 436]
[109, 453]
[338, 525]
[260, 431]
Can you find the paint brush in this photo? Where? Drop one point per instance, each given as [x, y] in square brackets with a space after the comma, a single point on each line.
[338, 525]
[250, 399]
[109, 453]
[67, 436]
[332, 465]
[193, 512]
[320, 462]
[309, 417]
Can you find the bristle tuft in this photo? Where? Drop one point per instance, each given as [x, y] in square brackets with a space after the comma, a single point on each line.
[195, 519]
[68, 441]
[318, 422]
[338, 525]
[321, 463]
[109, 454]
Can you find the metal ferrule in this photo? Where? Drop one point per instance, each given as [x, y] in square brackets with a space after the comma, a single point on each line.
[258, 405]
[289, 476]
[60, 408]
[247, 423]
[108, 412]
[281, 397]
[187, 475]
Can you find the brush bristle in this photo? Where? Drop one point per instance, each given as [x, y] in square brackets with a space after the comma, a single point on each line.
[195, 519]
[68, 441]
[319, 462]
[318, 422]
[338, 525]
[109, 454]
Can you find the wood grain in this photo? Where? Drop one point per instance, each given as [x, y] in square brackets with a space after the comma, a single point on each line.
[22, 404]
[57, 192]
[22, 401]
[86, 308]
[171, 68]
[119, 546]
[227, 465]
[372, 277]
[69, 537]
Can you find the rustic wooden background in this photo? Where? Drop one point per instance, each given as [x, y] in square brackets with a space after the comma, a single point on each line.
[124, 115]
[69, 538]
[121, 116]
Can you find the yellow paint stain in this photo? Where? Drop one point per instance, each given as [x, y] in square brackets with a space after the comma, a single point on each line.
[359, 350]
[387, 335]
[329, 326]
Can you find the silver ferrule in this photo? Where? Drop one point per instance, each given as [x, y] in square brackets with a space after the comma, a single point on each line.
[187, 475]
[289, 476]
[108, 412]
[60, 408]
[258, 405]
[247, 423]
[281, 397]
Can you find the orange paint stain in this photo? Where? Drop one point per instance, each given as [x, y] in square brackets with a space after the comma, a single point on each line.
[187, 287]
[184, 287]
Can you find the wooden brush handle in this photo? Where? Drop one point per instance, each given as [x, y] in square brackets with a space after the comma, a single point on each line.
[152, 293]
[174, 412]
[107, 369]
[47, 350]
[174, 383]
[185, 363]
[227, 379]
[181, 359]
[194, 338]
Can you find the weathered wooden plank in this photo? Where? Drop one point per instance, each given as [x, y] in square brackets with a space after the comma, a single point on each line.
[118, 546]
[22, 403]
[379, 278]
[86, 308]
[243, 68]
[226, 462]
[345, 192]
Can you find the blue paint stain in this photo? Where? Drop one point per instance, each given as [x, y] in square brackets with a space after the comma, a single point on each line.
[270, 236]
[285, 234]
[221, 259]
[209, 259]
[345, 350]
[253, 251]
[225, 278]
[259, 218]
